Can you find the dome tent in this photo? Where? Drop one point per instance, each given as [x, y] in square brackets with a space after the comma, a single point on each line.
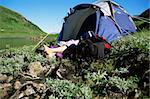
[103, 18]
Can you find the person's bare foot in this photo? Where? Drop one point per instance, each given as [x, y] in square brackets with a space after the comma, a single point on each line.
[49, 52]
[47, 49]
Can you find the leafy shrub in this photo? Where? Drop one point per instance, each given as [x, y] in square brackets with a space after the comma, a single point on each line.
[103, 83]
[123, 84]
[68, 90]
[102, 66]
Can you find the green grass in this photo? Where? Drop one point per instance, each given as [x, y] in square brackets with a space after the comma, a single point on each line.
[23, 40]
[12, 23]
[15, 42]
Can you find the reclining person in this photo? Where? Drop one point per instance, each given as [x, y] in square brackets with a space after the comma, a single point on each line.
[96, 46]
[63, 46]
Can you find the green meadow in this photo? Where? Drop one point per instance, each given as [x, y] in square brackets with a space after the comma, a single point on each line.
[14, 42]
[7, 42]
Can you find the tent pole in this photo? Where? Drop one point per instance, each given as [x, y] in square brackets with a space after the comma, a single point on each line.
[40, 42]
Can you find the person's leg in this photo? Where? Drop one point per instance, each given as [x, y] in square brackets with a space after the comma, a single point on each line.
[54, 50]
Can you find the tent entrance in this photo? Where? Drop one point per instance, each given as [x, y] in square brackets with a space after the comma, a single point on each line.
[76, 24]
[88, 25]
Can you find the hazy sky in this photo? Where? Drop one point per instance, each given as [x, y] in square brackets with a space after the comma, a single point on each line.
[49, 14]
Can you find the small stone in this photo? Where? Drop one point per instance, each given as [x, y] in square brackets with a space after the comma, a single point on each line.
[17, 85]
[35, 69]
[3, 78]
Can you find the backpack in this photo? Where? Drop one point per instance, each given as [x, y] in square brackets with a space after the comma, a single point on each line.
[93, 47]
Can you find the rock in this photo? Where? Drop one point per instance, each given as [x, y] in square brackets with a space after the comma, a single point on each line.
[35, 69]
[5, 85]
[3, 78]
[3, 94]
[17, 85]
[3, 90]
[61, 73]
[9, 78]
[21, 95]
[29, 91]
[41, 87]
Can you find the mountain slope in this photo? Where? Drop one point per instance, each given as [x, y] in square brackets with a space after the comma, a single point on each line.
[13, 23]
[142, 21]
[145, 14]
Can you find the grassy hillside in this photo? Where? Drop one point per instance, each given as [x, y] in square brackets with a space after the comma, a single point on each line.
[13, 23]
[16, 30]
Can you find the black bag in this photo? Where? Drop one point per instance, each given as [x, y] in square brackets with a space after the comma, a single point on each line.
[93, 47]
